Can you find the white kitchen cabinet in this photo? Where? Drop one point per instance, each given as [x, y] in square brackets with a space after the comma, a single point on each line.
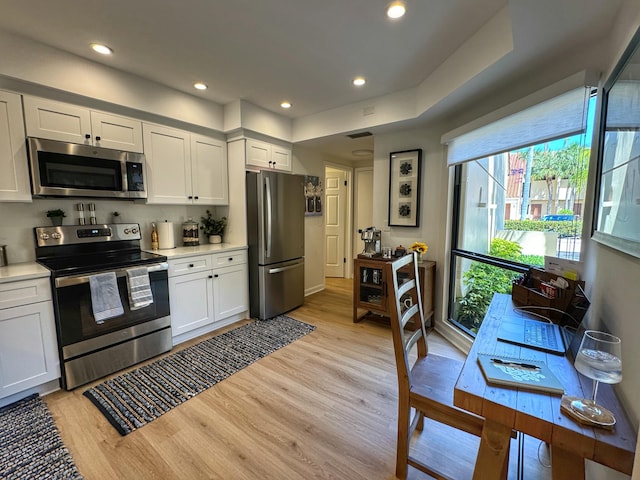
[191, 300]
[207, 289]
[267, 155]
[71, 123]
[230, 291]
[28, 346]
[184, 169]
[14, 180]
[209, 176]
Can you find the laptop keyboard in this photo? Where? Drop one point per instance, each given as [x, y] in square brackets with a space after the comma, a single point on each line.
[538, 333]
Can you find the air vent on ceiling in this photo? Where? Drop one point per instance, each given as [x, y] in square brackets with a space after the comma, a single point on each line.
[360, 135]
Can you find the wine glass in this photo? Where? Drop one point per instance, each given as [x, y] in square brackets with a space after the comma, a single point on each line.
[599, 358]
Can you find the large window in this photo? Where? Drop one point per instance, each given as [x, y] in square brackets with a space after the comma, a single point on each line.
[514, 207]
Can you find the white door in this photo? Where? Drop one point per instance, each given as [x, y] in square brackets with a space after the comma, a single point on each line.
[335, 214]
[363, 208]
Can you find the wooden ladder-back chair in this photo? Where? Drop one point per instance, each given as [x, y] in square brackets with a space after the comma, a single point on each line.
[427, 386]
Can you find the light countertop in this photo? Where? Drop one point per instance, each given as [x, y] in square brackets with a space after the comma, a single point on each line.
[23, 271]
[199, 250]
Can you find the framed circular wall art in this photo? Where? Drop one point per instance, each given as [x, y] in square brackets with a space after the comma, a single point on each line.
[404, 188]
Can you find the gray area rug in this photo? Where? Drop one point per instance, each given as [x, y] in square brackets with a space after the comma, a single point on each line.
[30, 445]
[134, 399]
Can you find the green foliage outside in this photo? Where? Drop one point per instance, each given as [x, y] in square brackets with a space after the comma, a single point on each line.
[564, 228]
[483, 280]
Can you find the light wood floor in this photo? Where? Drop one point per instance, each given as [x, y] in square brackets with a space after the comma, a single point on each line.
[322, 407]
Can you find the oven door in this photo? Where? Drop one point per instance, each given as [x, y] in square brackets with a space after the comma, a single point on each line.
[78, 331]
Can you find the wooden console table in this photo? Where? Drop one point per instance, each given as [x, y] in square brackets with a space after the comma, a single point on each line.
[370, 287]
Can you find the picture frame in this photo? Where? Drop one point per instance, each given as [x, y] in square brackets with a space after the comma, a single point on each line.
[312, 196]
[616, 219]
[404, 188]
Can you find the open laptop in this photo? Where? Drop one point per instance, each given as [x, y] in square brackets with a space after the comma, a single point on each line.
[520, 328]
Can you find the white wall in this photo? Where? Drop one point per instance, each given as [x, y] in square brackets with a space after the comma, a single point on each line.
[18, 219]
[309, 162]
[433, 198]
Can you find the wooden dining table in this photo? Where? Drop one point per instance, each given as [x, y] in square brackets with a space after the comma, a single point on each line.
[538, 414]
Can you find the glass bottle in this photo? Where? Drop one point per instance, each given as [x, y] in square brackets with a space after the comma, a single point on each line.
[154, 237]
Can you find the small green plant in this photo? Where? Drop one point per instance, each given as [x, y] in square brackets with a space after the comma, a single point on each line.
[211, 226]
[55, 213]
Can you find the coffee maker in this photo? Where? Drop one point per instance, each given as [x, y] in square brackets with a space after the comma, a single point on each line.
[371, 237]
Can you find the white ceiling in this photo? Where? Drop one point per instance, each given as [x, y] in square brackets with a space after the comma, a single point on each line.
[305, 51]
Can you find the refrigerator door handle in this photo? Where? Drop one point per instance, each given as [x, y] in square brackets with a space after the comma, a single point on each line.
[268, 223]
[283, 269]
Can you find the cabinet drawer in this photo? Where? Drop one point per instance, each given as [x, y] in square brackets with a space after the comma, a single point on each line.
[13, 294]
[230, 258]
[189, 265]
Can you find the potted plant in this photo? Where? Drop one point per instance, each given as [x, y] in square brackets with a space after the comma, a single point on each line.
[56, 216]
[214, 229]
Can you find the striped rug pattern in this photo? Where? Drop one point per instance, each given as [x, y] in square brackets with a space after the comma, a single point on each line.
[134, 399]
[30, 444]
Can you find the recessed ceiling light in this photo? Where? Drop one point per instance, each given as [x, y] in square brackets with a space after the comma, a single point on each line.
[363, 152]
[285, 104]
[102, 49]
[200, 86]
[396, 9]
[359, 81]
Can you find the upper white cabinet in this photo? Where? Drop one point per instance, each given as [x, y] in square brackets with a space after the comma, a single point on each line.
[183, 168]
[14, 180]
[209, 176]
[70, 123]
[267, 155]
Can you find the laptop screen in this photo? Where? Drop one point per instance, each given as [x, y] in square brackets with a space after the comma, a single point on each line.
[576, 339]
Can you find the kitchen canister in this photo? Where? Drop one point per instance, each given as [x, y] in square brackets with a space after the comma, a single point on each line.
[165, 235]
[190, 233]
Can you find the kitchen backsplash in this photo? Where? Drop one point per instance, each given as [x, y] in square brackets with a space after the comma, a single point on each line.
[18, 219]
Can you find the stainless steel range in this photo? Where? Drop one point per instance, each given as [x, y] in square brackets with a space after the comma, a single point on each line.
[90, 345]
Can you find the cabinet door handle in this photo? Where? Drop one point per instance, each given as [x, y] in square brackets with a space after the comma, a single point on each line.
[231, 259]
[87, 136]
[190, 197]
[191, 265]
[215, 276]
[196, 197]
[97, 139]
[210, 276]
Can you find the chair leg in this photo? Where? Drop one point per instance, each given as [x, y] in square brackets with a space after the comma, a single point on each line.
[402, 448]
[420, 421]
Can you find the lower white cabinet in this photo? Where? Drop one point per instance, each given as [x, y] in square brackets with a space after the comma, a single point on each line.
[28, 346]
[205, 289]
[191, 302]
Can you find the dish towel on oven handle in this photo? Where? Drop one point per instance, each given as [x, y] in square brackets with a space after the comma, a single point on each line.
[105, 297]
[140, 294]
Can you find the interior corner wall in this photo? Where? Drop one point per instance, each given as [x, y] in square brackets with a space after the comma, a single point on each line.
[433, 198]
[309, 162]
[612, 277]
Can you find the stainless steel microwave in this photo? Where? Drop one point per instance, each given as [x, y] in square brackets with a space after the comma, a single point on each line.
[72, 170]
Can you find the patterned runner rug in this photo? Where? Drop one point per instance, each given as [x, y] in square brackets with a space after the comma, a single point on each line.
[134, 399]
[30, 445]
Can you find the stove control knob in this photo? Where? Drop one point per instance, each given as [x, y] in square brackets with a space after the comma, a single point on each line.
[126, 231]
[44, 236]
[134, 230]
[56, 235]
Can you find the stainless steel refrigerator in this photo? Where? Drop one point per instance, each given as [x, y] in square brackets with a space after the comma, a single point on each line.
[275, 229]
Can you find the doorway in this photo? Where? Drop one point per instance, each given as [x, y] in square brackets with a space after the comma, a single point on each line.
[337, 220]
